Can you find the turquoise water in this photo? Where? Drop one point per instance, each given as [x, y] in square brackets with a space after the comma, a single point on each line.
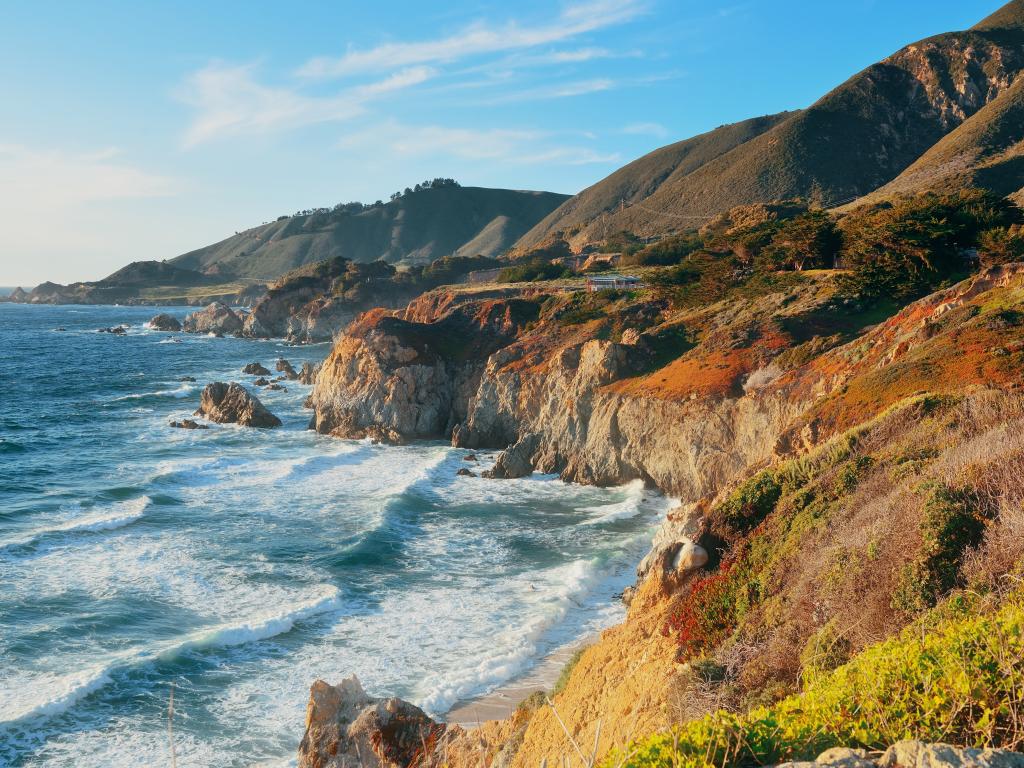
[241, 564]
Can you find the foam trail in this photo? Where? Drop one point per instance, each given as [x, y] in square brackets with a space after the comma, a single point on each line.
[73, 688]
[622, 510]
[125, 513]
[178, 392]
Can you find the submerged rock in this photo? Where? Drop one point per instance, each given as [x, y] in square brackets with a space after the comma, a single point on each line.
[188, 424]
[117, 330]
[255, 369]
[187, 378]
[217, 318]
[346, 727]
[232, 404]
[277, 388]
[165, 322]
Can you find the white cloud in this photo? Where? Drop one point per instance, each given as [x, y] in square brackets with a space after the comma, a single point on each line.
[229, 101]
[477, 39]
[556, 91]
[646, 129]
[502, 145]
[33, 178]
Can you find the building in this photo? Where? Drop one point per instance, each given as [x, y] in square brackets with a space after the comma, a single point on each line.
[612, 283]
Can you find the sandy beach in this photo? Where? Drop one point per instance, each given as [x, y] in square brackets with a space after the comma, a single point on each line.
[500, 703]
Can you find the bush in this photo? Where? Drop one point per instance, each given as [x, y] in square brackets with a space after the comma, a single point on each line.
[533, 271]
[664, 253]
[957, 678]
[751, 503]
[808, 241]
[1001, 245]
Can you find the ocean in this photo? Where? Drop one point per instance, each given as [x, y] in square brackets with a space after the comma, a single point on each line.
[239, 565]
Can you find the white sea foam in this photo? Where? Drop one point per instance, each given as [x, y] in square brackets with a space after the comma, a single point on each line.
[50, 695]
[623, 510]
[118, 516]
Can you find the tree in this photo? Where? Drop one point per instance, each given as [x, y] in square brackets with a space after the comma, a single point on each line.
[808, 241]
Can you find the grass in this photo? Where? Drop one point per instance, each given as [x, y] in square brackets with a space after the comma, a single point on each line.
[956, 676]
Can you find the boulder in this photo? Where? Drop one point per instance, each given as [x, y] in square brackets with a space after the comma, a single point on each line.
[469, 457]
[255, 369]
[465, 473]
[232, 404]
[277, 388]
[346, 727]
[117, 330]
[262, 382]
[217, 318]
[188, 424]
[165, 322]
[516, 460]
[283, 366]
[918, 754]
[187, 378]
[308, 373]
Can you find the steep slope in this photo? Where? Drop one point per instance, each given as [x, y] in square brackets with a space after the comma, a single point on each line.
[415, 228]
[855, 139]
[641, 178]
[987, 151]
[1009, 16]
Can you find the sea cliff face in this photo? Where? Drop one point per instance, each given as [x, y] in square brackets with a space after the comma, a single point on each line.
[607, 389]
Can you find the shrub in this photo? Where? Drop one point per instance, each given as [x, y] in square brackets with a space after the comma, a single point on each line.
[808, 241]
[531, 271]
[751, 503]
[708, 614]
[667, 252]
[957, 677]
[1001, 245]
[566, 673]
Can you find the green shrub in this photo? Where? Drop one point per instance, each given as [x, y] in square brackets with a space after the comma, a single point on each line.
[566, 673]
[957, 677]
[751, 503]
[667, 252]
[533, 271]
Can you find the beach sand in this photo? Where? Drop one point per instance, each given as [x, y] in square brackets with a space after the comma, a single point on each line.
[502, 702]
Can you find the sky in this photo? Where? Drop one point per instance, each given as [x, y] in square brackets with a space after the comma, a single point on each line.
[133, 131]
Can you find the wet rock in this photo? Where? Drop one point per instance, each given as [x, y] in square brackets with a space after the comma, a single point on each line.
[465, 473]
[262, 382]
[277, 388]
[516, 460]
[232, 403]
[346, 727]
[187, 378]
[117, 330]
[283, 366]
[469, 457]
[188, 424]
[217, 318]
[255, 369]
[165, 322]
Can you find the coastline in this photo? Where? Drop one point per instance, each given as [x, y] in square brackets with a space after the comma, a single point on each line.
[500, 703]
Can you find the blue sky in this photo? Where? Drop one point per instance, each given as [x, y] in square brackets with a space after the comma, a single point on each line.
[142, 130]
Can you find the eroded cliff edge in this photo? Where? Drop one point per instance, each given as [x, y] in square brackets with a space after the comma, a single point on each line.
[606, 388]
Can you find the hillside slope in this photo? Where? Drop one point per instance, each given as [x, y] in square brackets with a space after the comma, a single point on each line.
[987, 151]
[415, 228]
[853, 140]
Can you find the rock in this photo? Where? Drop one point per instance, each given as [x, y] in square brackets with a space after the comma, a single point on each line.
[277, 388]
[516, 460]
[283, 366]
[217, 318]
[188, 424]
[917, 754]
[255, 369]
[469, 457]
[117, 330]
[262, 382]
[689, 557]
[308, 373]
[465, 473]
[187, 378]
[165, 322]
[345, 727]
[231, 403]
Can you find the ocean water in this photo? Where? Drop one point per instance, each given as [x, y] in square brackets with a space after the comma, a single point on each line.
[240, 565]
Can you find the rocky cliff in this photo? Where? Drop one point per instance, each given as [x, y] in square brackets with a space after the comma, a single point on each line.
[609, 388]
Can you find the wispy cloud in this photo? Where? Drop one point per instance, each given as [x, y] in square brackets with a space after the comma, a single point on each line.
[504, 145]
[48, 179]
[229, 100]
[477, 39]
[646, 129]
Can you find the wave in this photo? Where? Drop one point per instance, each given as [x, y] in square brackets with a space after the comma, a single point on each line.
[572, 583]
[623, 510]
[124, 513]
[178, 392]
[71, 689]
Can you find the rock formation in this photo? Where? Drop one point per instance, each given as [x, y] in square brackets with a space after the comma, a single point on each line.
[308, 373]
[215, 318]
[283, 366]
[231, 403]
[165, 322]
[255, 369]
[346, 727]
[188, 424]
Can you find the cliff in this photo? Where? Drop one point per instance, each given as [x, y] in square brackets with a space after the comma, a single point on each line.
[784, 422]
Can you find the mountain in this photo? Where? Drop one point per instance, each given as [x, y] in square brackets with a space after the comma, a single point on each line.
[853, 140]
[415, 228]
[986, 151]
[145, 273]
